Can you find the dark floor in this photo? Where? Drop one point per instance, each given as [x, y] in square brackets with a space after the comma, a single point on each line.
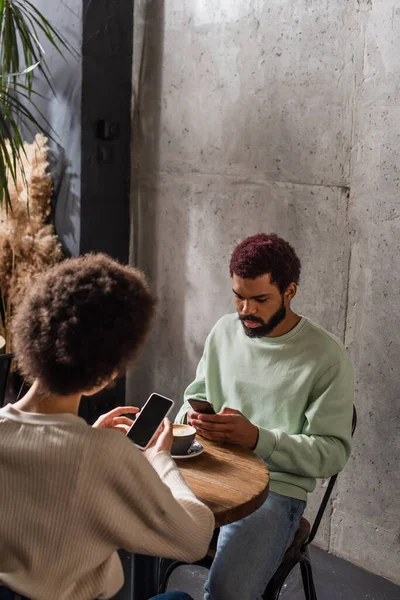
[335, 579]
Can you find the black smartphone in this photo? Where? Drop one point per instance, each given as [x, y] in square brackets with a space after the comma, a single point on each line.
[202, 406]
[149, 419]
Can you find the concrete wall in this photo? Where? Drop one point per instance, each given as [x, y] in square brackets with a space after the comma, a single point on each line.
[365, 524]
[63, 112]
[278, 116]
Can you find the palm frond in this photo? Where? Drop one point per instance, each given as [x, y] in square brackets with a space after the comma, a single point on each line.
[22, 26]
[22, 56]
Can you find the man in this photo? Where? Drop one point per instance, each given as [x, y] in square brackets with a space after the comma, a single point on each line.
[281, 386]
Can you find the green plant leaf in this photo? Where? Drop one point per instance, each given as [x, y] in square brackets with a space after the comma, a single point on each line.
[50, 31]
[24, 72]
[22, 56]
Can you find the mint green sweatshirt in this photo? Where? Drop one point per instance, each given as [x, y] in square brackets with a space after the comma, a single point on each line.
[298, 390]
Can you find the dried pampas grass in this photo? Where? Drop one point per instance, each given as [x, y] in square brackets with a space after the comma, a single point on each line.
[28, 243]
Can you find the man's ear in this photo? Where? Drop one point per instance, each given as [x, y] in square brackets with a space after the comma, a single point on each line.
[290, 292]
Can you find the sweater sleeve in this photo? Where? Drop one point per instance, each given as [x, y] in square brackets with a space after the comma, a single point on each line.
[151, 510]
[197, 389]
[323, 447]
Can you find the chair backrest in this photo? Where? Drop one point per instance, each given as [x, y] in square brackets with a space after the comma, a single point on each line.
[328, 491]
[5, 364]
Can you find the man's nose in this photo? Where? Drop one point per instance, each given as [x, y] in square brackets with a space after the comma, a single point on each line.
[248, 307]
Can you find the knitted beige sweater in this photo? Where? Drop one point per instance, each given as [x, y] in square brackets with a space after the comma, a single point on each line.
[71, 495]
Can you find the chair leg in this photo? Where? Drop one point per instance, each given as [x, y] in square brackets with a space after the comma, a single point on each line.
[307, 577]
[167, 567]
[275, 585]
[273, 593]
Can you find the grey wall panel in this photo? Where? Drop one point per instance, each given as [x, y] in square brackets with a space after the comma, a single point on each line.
[280, 116]
[63, 112]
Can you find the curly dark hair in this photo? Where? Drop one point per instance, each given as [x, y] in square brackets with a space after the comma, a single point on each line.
[81, 321]
[266, 253]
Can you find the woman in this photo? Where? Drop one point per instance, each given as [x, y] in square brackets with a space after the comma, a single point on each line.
[72, 495]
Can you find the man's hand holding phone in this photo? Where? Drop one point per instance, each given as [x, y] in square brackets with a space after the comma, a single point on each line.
[198, 407]
[229, 426]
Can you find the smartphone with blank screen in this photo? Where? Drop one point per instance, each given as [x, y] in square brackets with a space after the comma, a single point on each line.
[149, 419]
[202, 406]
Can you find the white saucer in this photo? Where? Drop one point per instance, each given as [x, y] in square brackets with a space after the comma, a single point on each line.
[195, 449]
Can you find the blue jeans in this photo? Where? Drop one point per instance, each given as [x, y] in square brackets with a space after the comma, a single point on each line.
[250, 551]
[7, 594]
[172, 596]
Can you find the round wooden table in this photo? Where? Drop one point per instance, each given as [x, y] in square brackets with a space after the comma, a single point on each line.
[232, 481]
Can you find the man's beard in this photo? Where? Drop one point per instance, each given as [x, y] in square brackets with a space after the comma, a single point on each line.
[265, 328]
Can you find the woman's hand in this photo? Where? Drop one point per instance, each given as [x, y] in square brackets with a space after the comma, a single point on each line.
[112, 420]
[161, 441]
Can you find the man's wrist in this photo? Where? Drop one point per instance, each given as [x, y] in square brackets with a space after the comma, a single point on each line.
[254, 443]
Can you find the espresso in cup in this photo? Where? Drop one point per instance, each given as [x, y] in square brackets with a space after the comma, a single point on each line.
[183, 438]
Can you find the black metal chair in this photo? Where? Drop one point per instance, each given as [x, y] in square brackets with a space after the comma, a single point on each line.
[297, 553]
